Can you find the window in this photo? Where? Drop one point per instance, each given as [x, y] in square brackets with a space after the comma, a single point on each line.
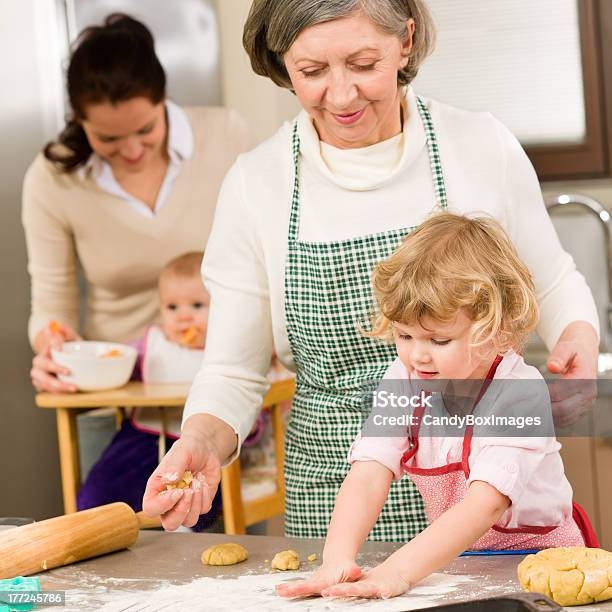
[543, 68]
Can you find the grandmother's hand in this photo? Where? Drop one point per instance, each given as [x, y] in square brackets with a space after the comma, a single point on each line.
[44, 370]
[203, 445]
[574, 357]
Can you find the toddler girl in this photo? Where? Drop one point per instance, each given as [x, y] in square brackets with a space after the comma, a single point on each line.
[458, 302]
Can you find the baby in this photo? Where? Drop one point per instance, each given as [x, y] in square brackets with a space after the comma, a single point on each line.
[172, 351]
[458, 303]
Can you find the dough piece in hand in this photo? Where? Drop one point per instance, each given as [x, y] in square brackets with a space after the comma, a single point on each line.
[570, 576]
[183, 483]
[286, 560]
[225, 554]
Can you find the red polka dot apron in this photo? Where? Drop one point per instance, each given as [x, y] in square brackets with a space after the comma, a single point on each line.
[444, 486]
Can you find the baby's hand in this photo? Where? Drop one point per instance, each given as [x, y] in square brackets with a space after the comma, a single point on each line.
[383, 582]
[328, 574]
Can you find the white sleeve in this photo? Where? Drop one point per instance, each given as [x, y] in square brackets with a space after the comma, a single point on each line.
[563, 295]
[509, 464]
[232, 380]
[524, 463]
[387, 451]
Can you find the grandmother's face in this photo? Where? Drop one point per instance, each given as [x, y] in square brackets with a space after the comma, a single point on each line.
[344, 73]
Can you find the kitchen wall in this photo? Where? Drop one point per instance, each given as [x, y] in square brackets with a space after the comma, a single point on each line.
[264, 105]
[28, 447]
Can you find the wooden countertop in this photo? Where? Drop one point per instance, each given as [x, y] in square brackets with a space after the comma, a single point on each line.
[148, 577]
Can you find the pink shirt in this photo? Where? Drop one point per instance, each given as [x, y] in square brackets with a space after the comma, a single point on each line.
[528, 470]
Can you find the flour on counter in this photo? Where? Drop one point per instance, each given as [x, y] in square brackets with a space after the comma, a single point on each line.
[256, 592]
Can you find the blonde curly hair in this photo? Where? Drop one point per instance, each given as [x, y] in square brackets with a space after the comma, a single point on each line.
[450, 263]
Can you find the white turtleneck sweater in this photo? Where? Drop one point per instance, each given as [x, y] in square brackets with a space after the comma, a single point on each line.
[349, 193]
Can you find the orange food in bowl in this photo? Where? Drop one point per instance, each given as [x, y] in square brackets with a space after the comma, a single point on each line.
[112, 353]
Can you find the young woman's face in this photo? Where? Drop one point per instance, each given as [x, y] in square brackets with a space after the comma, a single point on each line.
[435, 349]
[128, 135]
[344, 73]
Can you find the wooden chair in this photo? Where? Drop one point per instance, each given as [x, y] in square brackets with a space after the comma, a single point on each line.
[239, 514]
[236, 513]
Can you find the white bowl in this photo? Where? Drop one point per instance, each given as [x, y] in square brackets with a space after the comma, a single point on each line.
[95, 366]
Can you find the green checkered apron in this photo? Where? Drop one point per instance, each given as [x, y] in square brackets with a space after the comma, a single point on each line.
[327, 296]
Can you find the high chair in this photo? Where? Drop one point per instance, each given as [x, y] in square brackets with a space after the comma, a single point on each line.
[135, 394]
[238, 514]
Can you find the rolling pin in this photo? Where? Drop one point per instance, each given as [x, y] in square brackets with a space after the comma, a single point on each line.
[37, 547]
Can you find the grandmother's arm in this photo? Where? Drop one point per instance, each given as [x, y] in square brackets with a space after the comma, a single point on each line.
[239, 344]
[569, 323]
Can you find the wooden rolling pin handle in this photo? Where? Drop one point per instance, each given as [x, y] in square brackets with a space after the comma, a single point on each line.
[66, 539]
[148, 523]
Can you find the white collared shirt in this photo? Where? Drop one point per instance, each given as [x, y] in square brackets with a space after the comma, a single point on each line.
[180, 147]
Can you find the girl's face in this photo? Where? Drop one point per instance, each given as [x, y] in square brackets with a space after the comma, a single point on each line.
[344, 73]
[184, 306]
[128, 135]
[439, 350]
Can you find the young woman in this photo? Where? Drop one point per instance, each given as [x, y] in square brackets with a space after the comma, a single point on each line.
[131, 183]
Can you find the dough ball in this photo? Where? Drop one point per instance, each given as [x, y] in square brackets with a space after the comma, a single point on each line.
[570, 576]
[312, 557]
[224, 554]
[183, 483]
[286, 560]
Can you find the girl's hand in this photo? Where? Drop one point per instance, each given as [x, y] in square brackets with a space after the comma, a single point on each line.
[44, 370]
[194, 452]
[383, 582]
[328, 574]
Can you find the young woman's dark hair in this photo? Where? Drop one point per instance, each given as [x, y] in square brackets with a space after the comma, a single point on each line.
[112, 63]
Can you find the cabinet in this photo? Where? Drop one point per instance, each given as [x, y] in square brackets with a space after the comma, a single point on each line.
[588, 466]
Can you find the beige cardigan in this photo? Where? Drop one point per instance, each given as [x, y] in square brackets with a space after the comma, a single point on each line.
[70, 222]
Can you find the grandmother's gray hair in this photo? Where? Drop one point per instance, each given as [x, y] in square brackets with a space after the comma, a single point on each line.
[273, 25]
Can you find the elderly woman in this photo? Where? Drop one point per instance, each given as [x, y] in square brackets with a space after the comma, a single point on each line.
[302, 220]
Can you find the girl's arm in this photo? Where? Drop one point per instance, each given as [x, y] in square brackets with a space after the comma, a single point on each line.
[452, 533]
[359, 502]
